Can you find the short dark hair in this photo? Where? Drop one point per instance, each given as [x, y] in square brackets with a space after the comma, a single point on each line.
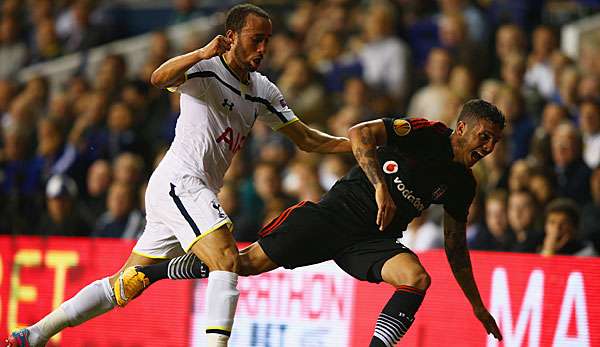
[566, 206]
[236, 17]
[481, 109]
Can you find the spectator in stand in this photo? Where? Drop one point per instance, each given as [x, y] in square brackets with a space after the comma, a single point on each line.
[266, 185]
[489, 90]
[430, 100]
[109, 78]
[47, 45]
[122, 135]
[590, 215]
[63, 215]
[522, 221]
[302, 92]
[541, 186]
[122, 217]
[589, 56]
[560, 227]
[474, 20]
[518, 178]
[128, 168]
[496, 236]
[589, 120]
[160, 47]
[13, 51]
[462, 83]
[513, 74]
[589, 88]
[540, 153]
[77, 28]
[572, 174]
[283, 47]
[519, 127]
[510, 39]
[384, 57]
[20, 182]
[453, 36]
[331, 61]
[566, 93]
[539, 73]
[99, 178]
[52, 155]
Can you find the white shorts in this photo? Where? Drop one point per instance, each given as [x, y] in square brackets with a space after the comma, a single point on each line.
[179, 212]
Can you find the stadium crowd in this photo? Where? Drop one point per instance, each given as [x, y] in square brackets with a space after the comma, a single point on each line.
[76, 162]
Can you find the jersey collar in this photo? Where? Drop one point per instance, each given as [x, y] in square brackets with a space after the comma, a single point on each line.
[231, 71]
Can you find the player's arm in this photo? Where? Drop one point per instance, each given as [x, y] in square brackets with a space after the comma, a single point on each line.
[313, 140]
[172, 72]
[365, 137]
[455, 245]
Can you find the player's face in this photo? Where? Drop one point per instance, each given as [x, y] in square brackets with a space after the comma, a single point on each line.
[250, 44]
[476, 139]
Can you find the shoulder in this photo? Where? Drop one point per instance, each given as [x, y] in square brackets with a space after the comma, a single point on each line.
[405, 126]
[263, 83]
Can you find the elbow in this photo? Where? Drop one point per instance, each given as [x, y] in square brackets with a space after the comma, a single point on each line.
[156, 79]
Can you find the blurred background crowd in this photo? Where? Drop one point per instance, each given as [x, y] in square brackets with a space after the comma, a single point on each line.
[75, 160]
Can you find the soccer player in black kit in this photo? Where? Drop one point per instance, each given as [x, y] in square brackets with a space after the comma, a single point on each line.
[404, 165]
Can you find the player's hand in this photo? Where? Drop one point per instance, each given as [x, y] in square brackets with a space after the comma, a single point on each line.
[219, 45]
[386, 208]
[489, 323]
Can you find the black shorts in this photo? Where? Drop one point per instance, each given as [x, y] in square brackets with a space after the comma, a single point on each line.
[309, 233]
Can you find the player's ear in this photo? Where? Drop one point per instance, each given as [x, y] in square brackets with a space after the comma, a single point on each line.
[230, 34]
[460, 127]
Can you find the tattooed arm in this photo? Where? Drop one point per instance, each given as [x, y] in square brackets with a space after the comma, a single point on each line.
[364, 138]
[455, 245]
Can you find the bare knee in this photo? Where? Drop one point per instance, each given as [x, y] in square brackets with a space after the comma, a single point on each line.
[223, 260]
[419, 279]
[416, 278]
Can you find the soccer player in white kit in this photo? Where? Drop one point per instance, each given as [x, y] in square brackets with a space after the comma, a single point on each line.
[222, 95]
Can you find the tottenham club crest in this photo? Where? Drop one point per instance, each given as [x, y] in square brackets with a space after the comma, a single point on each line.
[219, 209]
[401, 127]
[390, 167]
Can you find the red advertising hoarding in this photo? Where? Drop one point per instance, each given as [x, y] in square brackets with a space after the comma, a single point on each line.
[537, 301]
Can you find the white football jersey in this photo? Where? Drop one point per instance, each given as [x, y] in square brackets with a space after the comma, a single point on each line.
[217, 114]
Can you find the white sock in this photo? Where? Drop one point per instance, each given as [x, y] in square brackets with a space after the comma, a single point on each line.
[221, 301]
[91, 301]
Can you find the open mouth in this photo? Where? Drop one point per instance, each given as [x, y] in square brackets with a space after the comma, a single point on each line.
[256, 61]
[476, 156]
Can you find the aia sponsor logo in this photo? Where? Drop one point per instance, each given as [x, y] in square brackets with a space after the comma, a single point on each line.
[235, 143]
[390, 167]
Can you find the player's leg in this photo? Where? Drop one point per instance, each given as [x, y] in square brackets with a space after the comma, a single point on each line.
[387, 260]
[91, 301]
[407, 275]
[252, 261]
[219, 251]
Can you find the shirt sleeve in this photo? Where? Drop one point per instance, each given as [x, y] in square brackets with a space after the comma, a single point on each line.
[274, 110]
[461, 194]
[194, 85]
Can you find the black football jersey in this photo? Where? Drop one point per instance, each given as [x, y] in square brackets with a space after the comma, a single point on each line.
[418, 168]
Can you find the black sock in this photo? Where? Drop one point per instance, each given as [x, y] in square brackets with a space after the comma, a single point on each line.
[397, 316]
[187, 266]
